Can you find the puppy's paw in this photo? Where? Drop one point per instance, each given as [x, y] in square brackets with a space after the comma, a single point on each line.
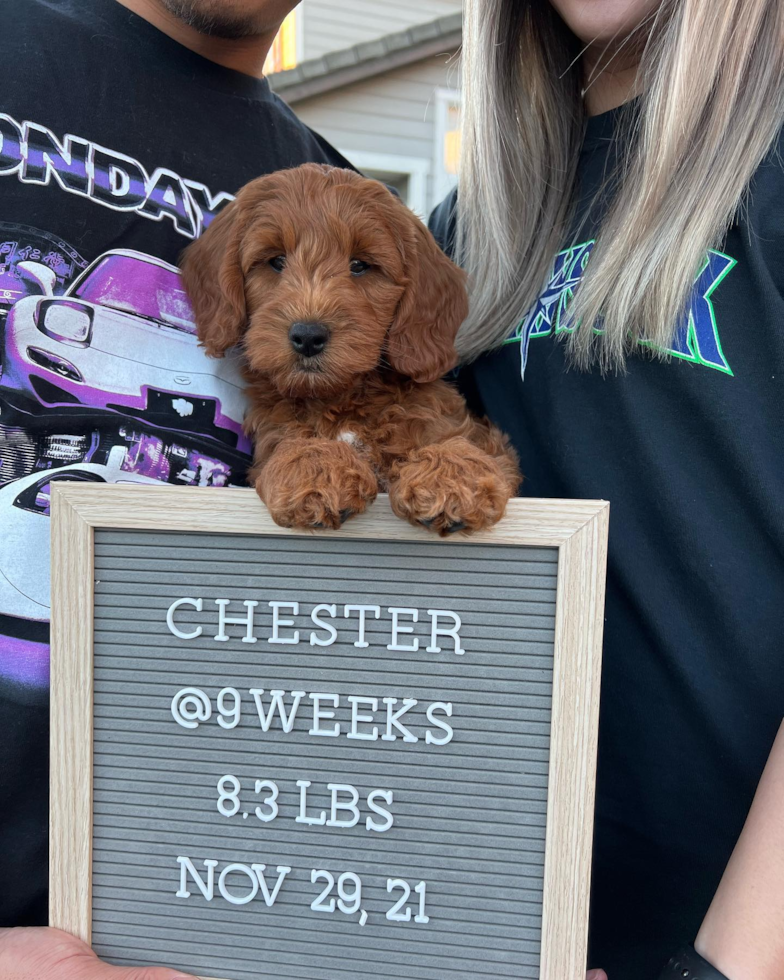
[450, 486]
[316, 483]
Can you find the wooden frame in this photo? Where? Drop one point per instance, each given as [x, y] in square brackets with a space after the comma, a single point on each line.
[577, 528]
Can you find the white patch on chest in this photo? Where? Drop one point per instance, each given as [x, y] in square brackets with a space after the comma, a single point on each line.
[350, 437]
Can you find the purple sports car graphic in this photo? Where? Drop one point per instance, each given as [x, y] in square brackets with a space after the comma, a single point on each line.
[101, 379]
[122, 339]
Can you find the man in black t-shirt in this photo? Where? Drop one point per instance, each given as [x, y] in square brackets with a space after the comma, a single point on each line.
[124, 127]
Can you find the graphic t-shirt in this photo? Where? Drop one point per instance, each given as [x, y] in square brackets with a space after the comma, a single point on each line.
[690, 454]
[117, 147]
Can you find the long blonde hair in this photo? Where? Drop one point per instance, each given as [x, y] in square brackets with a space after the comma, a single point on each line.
[712, 103]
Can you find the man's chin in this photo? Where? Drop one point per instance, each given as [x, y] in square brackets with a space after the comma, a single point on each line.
[214, 18]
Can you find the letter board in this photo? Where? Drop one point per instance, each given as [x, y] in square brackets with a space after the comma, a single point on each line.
[327, 755]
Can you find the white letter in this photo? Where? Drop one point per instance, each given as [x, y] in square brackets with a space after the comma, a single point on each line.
[319, 714]
[197, 605]
[270, 801]
[303, 806]
[191, 706]
[352, 806]
[332, 610]
[397, 628]
[347, 610]
[186, 865]
[392, 720]
[276, 702]
[225, 892]
[247, 620]
[443, 631]
[282, 872]
[430, 739]
[386, 796]
[233, 714]
[357, 717]
[276, 622]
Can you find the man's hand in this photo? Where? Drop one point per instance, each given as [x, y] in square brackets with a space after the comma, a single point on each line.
[596, 975]
[48, 954]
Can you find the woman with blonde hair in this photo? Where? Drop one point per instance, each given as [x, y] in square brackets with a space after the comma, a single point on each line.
[620, 214]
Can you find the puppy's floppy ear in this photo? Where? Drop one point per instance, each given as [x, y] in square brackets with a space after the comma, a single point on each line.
[214, 281]
[421, 341]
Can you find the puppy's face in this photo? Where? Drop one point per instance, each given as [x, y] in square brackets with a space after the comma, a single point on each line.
[323, 279]
[322, 276]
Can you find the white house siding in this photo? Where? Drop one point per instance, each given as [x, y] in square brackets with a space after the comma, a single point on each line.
[389, 117]
[328, 25]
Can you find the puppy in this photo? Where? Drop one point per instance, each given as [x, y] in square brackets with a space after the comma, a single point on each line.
[346, 311]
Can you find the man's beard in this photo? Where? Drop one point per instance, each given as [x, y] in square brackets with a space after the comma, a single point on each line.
[205, 16]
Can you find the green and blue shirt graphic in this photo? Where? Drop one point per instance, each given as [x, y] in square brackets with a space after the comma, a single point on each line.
[696, 339]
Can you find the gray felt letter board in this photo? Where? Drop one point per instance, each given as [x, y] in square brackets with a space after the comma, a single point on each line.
[318, 757]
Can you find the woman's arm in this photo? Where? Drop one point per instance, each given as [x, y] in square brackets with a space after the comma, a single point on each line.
[743, 932]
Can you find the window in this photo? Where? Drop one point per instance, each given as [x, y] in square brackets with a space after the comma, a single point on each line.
[284, 51]
[408, 175]
[447, 148]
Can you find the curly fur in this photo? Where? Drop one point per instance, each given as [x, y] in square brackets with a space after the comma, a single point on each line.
[370, 412]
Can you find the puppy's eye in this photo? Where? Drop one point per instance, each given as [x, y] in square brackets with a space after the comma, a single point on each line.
[278, 263]
[358, 268]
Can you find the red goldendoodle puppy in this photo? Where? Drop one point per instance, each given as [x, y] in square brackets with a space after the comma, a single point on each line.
[346, 311]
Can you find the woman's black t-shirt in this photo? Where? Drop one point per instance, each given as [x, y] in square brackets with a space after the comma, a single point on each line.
[690, 453]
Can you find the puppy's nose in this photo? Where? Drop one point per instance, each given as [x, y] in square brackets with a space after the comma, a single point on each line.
[308, 339]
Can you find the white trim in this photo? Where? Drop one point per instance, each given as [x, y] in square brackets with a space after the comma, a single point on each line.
[299, 32]
[448, 94]
[442, 181]
[416, 168]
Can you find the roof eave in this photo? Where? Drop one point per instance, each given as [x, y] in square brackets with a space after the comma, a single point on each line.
[340, 68]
